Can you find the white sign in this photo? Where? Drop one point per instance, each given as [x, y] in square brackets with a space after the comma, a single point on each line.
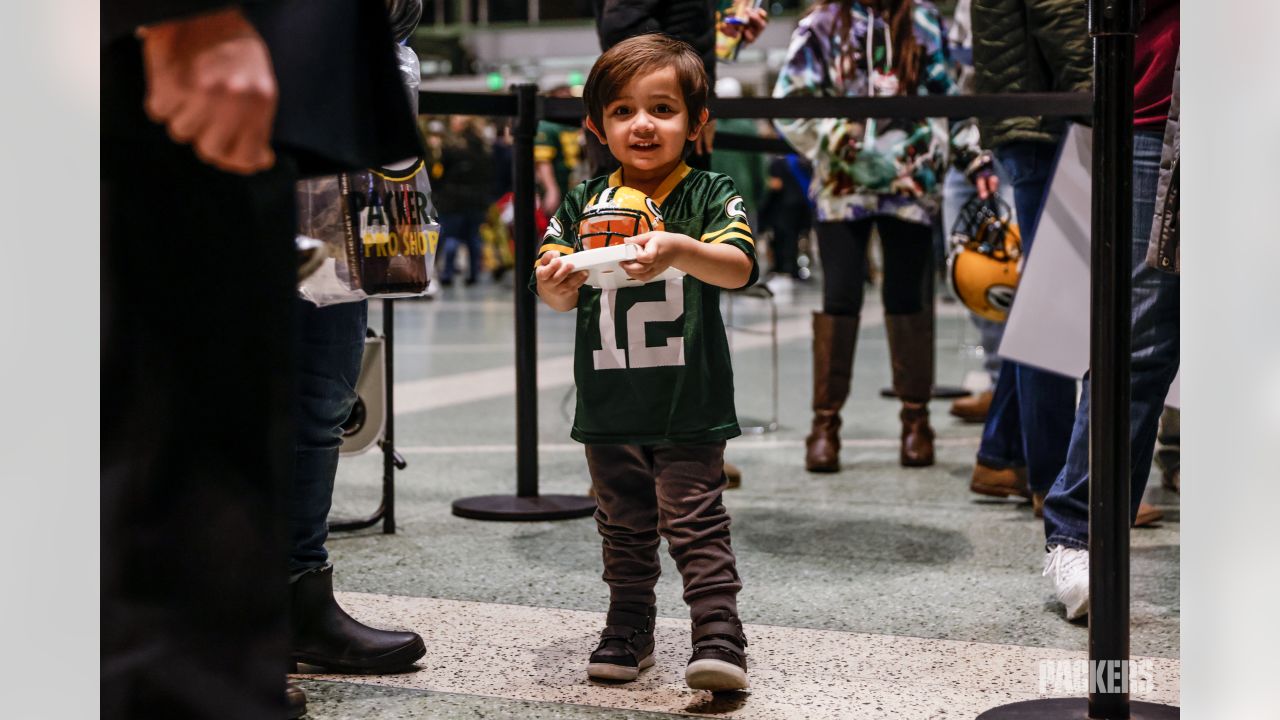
[1048, 326]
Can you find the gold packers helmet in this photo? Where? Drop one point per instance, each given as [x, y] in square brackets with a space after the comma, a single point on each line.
[985, 259]
[614, 215]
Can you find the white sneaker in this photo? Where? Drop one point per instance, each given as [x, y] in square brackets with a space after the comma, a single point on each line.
[1068, 570]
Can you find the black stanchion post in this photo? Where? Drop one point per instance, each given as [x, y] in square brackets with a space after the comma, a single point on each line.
[1113, 23]
[388, 436]
[526, 317]
[527, 504]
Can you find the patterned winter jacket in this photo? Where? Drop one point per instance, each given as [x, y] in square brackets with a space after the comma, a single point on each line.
[866, 167]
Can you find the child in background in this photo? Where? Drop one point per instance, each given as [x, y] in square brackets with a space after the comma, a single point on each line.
[655, 383]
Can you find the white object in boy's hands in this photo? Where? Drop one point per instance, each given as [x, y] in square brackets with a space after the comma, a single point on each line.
[604, 266]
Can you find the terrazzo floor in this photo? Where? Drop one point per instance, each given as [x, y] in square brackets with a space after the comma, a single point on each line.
[874, 592]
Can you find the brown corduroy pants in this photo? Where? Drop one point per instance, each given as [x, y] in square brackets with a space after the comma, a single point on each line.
[648, 492]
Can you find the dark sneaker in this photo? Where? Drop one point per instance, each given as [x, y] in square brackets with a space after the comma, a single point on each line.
[626, 644]
[719, 660]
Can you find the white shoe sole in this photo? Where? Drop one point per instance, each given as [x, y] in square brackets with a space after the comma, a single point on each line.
[609, 671]
[1077, 612]
[715, 675]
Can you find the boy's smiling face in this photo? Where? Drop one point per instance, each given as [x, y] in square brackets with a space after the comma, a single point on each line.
[647, 125]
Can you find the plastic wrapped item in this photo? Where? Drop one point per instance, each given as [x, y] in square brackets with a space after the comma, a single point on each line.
[378, 226]
[380, 230]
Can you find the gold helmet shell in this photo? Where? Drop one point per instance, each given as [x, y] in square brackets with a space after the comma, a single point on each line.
[985, 261]
[615, 214]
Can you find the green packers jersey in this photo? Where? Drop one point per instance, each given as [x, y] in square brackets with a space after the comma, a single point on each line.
[652, 362]
[558, 145]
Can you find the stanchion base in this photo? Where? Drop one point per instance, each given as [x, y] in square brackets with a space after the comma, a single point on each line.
[350, 524]
[940, 392]
[512, 507]
[1073, 709]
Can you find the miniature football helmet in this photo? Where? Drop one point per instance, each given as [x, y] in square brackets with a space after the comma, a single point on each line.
[614, 215]
[985, 259]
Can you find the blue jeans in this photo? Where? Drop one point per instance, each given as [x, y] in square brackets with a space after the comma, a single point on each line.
[330, 346]
[458, 229]
[1029, 423]
[1154, 363]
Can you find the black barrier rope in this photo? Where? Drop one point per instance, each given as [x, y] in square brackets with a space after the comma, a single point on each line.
[983, 106]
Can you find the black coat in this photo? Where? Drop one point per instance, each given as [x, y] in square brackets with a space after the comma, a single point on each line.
[693, 21]
[342, 103]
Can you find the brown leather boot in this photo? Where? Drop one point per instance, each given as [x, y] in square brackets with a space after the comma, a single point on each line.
[834, 339]
[917, 436]
[911, 355]
[973, 408]
[1002, 482]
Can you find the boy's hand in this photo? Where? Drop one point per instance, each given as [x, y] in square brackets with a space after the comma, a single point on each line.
[557, 282]
[659, 250]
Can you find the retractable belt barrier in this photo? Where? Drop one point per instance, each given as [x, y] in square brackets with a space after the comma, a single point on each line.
[1109, 110]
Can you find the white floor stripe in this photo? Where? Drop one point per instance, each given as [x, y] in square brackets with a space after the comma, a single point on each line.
[553, 372]
[539, 654]
[744, 443]
[557, 371]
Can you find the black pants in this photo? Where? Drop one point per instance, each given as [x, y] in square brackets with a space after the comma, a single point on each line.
[843, 247]
[647, 492]
[198, 272]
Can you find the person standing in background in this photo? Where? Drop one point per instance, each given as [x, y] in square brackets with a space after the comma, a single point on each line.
[330, 344]
[207, 120]
[463, 191]
[881, 173]
[1027, 46]
[1155, 311]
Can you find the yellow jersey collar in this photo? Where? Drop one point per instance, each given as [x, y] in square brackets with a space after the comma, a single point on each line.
[664, 189]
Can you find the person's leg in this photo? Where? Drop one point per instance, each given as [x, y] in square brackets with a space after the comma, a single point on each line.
[475, 252]
[330, 347]
[843, 248]
[1047, 405]
[627, 520]
[909, 324]
[786, 243]
[1153, 365]
[1046, 401]
[196, 421]
[1001, 445]
[695, 523]
[451, 227]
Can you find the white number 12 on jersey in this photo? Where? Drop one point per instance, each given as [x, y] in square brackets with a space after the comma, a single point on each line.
[613, 357]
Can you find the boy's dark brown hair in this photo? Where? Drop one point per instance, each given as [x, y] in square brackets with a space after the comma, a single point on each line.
[639, 55]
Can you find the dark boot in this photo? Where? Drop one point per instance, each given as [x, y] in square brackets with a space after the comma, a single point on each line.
[295, 701]
[325, 635]
[834, 340]
[719, 660]
[626, 644]
[911, 354]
